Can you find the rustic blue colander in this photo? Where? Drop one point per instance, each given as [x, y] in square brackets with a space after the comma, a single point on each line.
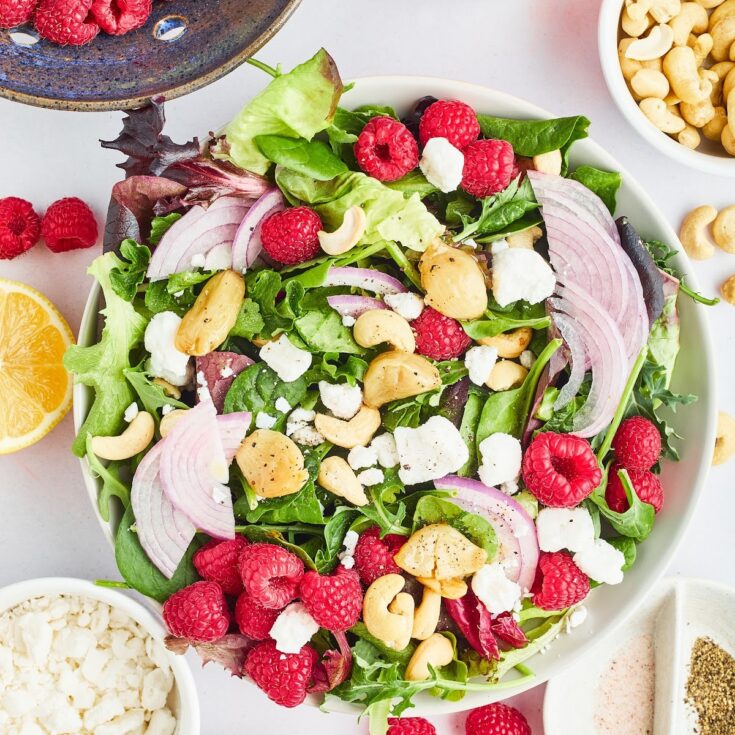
[185, 45]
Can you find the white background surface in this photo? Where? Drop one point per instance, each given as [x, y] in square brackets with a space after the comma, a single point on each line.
[542, 50]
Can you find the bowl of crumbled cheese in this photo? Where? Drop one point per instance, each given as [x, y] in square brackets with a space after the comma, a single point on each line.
[78, 658]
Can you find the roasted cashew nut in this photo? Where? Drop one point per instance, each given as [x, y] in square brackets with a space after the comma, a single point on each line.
[709, 4]
[728, 140]
[713, 129]
[699, 114]
[638, 9]
[694, 234]
[394, 375]
[689, 137]
[506, 375]
[338, 478]
[723, 229]
[436, 651]
[426, 617]
[635, 26]
[724, 439]
[730, 107]
[451, 589]
[525, 238]
[653, 46]
[509, 344]
[728, 83]
[357, 432]
[170, 420]
[692, 18]
[649, 83]
[663, 11]
[721, 11]
[347, 235]
[629, 67]
[680, 67]
[136, 437]
[548, 163]
[723, 36]
[388, 613]
[377, 326]
[661, 115]
[170, 390]
[701, 45]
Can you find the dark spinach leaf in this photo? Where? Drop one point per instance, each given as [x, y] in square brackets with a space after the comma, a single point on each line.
[312, 158]
[603, 183]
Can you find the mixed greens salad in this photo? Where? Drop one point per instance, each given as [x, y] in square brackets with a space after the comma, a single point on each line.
[427, 402]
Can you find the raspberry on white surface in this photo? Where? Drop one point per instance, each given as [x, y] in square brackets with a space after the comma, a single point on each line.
[293, 628]
[493, 588]
[385, 446]
[285, 359]
[442, 164]
[479, 362]
[166, 360]
[521, 274]
[359, 457]
[342, 399]
[408, 305]
[373, 476]
[601, 561]
[264, 420]
[501, 457]
[564, 528]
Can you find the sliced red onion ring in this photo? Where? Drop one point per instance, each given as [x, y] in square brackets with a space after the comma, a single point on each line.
[516, 532]
[247, 244]
[194, 472]
[196, 233]
[577, 356]
[364, 278]
[354, 306]
[232, 429]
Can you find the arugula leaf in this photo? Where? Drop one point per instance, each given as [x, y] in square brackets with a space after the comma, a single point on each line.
[161, 225]
[401, 657]
[477, 529]
[637, 521]
[101, 366]
[311, 158]
[334, 536]
[298, 104]
[151, 395]
[603, 183]
[384, 510]
[138, 570]
[249, 322]
[126, 277]
[264, 288]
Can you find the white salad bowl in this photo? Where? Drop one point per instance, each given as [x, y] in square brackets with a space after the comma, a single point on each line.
[183, 700]
[709, 157]
[608, 606]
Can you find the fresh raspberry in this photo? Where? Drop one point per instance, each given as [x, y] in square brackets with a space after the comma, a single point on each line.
[333, 600]
[439, 337]
[560, 469]
[496, 719]
[559, 582]
[450, 119]
[117, 17]
[16, 12]
[374, 555]
[291, 236]
[637, 444]
[68, 224]
[198, 612]
[270, 574]
[386, 150]
[410, 726]
[66, 22]
[254, 620]
[488, 167]
[284, 677]
[647, 487]
[217, 561]
[20, 227]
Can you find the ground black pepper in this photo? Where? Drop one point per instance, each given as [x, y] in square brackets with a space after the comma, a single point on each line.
[711, 688]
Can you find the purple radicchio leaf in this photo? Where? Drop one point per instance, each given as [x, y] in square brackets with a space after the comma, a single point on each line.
[220, 370]
[475, 623]
[505, 627]
[334, 667]
[230, 651]
[454, 399]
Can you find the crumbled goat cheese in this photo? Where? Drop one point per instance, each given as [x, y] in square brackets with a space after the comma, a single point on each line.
[166, 361]
[131, 412]
[385, 446]
[442, 164]
[479, 362]
[198, 260]
[293, 628]
[264, 420]
[527, 359]
[219, 258]
[166, 409]
[493, 588]
[348, 321]
[498, 246]
[470, 243]
[359, 457]
[226, 372]
[342, 399]
[576, 618]
[371, 477]
[601, 561]
[220, 494]
[408, 305]
[564, 528]
[518, 274]
[307, 436]
[282, 405]
[430, 451]
[501, 457]
[75, 665]
[288, 361]
[509, 488]
[347, 555]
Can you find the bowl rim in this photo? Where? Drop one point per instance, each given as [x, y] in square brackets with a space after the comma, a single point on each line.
[188, 719]
[393, 85]
[607, 44]
[126, 103]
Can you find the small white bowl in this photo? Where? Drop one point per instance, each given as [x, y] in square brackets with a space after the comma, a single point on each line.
[709, 157]
[183, 700]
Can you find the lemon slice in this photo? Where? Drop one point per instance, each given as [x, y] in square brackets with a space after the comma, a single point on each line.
[35, 388]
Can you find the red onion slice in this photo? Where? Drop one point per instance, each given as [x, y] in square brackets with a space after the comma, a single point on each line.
[232, 429]
[577, 358]
[247, 244]
[354, 306]
[194, 472]
[516, 532]
[364, 278]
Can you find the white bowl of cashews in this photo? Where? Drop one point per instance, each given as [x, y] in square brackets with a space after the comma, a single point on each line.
[670, 67]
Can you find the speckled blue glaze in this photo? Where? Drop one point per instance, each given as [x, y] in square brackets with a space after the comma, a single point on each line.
[118, 72]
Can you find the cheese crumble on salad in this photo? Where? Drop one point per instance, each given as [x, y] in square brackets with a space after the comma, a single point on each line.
[376, 395]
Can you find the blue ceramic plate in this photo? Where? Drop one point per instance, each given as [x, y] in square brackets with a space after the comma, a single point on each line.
[185, 45]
